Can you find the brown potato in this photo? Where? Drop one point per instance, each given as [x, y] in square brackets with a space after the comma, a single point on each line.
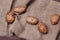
[42, 27]
[54, 19]
[32, 20]
[19, 9]
[10, 17]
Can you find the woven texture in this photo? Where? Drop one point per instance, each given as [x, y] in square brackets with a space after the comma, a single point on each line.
[42, 9]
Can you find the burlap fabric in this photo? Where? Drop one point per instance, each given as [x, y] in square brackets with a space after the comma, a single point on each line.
[42, 9]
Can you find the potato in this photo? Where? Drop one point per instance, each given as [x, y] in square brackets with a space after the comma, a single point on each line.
[54, 19]
[19, 9]
[42, 27]
[10, 17]
[32, 20]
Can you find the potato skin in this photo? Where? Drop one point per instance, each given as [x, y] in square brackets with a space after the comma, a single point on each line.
[54, 19]
[19, 9]
[42, 27]
[32, 20]
[10, 17]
